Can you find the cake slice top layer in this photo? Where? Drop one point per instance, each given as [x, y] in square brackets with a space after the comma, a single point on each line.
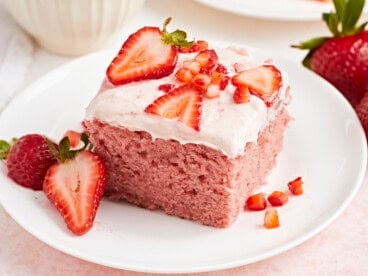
[224, 125]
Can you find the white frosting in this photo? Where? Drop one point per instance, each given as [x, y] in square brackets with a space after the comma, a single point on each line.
[224, 125]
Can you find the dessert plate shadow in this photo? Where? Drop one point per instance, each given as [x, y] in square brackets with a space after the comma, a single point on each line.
[288, 10]
[325, 144]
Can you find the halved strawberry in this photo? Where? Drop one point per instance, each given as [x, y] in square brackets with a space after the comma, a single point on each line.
[256, 202]
[296, 186]
[184, 103]
[241, 95]
[277, 198]
[264, 81]
[149, 53]
[75, 185]
[74, 137]
[271, 219]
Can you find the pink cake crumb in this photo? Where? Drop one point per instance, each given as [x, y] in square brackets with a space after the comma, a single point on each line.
[186, 180]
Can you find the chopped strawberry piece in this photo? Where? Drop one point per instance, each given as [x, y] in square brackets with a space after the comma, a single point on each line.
[296, 186]
[271, 219]
[144, 55]
[197, 46]
[184, 102]
[74, 137]
[224, 82]
[213, 91]
[241, 95]
[201, 82]
[192, 65]
[167, 87]
[207, 58]
[256, 202]
[184, 75]
[221, 69]
[264, 82]
[277, 198]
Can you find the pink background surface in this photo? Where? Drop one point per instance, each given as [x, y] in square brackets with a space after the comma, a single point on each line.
[340, 249]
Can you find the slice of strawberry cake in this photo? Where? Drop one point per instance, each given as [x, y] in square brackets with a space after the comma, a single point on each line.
[186, 127]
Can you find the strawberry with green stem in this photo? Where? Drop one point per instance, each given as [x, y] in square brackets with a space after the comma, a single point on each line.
[75, 184]
[343, 58]
[149, 53]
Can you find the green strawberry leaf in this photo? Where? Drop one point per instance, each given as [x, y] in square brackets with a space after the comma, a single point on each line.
[176, 38]
[332, 22]
[339, 8]
[4, 149]
[351, 15]
[311, 44]
[361, 27]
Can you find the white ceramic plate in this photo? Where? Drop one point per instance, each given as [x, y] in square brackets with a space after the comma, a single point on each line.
[325, 145]
[274, 9]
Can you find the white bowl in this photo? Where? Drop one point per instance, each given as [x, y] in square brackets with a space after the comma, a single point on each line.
[73, 27]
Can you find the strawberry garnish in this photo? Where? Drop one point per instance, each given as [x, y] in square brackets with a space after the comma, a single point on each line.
[207, 59]
[277, 198]
[149, 53]
[184, 103]
[256, 202]
[271, 219]
[197, 46]
[27, 160]
[241, 95]
[264, 82]
[74, 137]
[296, 186]
[75, 184]
[166, 87]
[342, 58]
[201, 82]
[184, 75]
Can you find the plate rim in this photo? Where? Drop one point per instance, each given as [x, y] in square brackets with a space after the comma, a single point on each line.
[193, 269]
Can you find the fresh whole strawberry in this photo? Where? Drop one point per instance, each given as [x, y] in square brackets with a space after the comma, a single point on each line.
[75, 184]
[343, 58]
[149, 53]
[27, 160]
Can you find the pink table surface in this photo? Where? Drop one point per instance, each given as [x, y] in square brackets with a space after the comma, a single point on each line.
[340, 249]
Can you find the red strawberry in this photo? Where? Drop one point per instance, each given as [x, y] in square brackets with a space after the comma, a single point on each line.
[343, 58]
[264, 81]
[256, 202]
[167, 87]
[192, 65]
[75, 185]
[149, 53]
[271, 219]
[184, 102]
[241, 95]
[362, 111]
[277, 198]
[207, 59]
[74, 137]
[201, 82]
[197, 46]
[184, 75]
[27, 160]
[296, 186]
